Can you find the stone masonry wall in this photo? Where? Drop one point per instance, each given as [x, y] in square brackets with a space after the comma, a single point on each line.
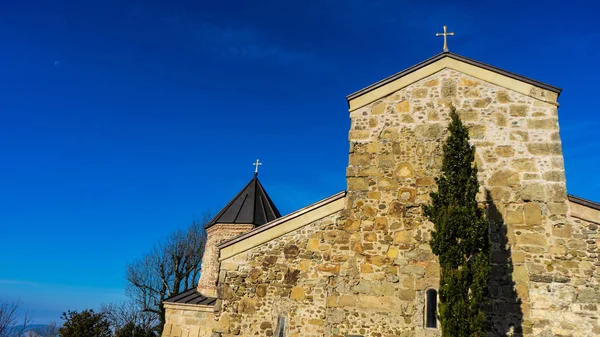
[287, 276]
[189, 321]
[541, 258]
[207, 285]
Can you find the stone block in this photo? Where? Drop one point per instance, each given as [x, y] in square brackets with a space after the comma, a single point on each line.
[524, 165]
[316, 321]
[347, 301]
[502, 97]
[544, 149]
[359, 159]
[247, 305]
[557, 192]
[223, 323]
[467, 82]
[392, 252]
[351, 225]
[396, 209]
[407, 194]
[404, 170]
[429, 131]
[519, 136]
[366, 268]
[359, 135]
[377, 260]
[504, 178]
[531, 239]
[381, 224]
[555, 176]
[373, 122]
[389, 133]
[370, 237]
[477, 131]
[520, 274]
[482, 103]
[518, 110]
[415, 270]
[403, 237]
[167, 329]
[500, 120]
[298, 294]
[533, 214]
[261, 290]
[562, 230]
[379, 303]
[331, 301]
[514, 217]
[329, 268]
[425, 181]
[547, 123]
[370, 171]
[358, 184]
[505, 151]
[378, 108]
[469, 115]
[589, 296]
[313, 243]
[448, 88]
[404, 106]
[533, 192]
[431, 83]
[385, 161]
[291, 251]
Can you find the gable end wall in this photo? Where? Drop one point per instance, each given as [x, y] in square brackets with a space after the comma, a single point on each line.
[542, 262]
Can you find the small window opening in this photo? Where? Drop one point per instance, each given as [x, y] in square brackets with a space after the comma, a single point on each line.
[280, 332]
[431, 314]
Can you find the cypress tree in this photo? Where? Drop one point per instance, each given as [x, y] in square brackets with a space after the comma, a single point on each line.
[460, 238]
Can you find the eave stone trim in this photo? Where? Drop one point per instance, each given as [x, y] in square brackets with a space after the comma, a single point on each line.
[282, 226]
[528, 87]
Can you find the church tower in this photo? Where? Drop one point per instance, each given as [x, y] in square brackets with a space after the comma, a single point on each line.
[250, 208]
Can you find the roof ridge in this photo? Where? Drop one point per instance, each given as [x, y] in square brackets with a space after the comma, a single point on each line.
[248, 207]
[241, 207]
[461, 58]
[228, 205]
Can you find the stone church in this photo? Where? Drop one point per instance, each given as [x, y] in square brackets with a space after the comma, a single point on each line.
[358, 263]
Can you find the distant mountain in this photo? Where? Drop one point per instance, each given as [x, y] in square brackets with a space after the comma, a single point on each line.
[32, 330]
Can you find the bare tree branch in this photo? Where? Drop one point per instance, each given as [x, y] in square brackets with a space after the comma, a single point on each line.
[120, 314]
[171, 267]
[9, 316]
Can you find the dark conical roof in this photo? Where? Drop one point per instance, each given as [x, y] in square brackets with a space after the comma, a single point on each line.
[251, 206]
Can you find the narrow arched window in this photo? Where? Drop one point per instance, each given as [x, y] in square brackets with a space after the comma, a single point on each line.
[280, 331]
[431, 309]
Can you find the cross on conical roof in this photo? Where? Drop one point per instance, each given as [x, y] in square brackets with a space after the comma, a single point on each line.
[252, 205]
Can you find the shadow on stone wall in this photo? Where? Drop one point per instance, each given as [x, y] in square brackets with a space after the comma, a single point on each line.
[503, 311]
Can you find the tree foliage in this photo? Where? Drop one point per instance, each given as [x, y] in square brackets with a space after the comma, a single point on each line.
[133, 330]
[169, 268]
[84, 324]
[460, 238]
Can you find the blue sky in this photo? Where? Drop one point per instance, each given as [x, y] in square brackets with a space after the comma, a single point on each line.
[123, 120]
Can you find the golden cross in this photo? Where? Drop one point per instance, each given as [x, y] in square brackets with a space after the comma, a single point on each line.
[445, 34]
[256, 169]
